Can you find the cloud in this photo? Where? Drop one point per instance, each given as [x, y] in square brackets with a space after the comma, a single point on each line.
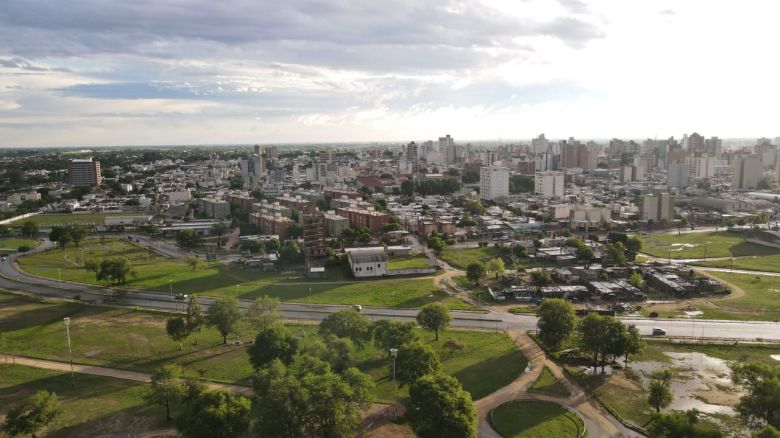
[25, 65]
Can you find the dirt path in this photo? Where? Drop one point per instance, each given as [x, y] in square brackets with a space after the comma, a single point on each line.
[598, 422]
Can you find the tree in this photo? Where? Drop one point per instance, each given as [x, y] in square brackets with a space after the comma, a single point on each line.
[34, 414]
[219, 229]
[762, 401]
[435, 317]
[585, 254]
[496, 266]
[223, 314]
[393, 334]
[263, 313]
[177, 330]
[272, 343]
[439, 407]
[659, 394]
[768, 431]
[556, 322]
[347, 323]
[414, 361]
[475, 272]
[634, 342]
[295, 231]
[215, 414]
[634, 244]
[615, 255]
[237, 182]
[194, 317]
[520, 251]
[436, 243]
[167, 388]
[680, 425]
[188, 238]
[281, 408]
[592, 336]
[636, 280]
[113, 270]
[541, 278]
[193, 262]
[30, 228]
[336, 402]
[337, 352]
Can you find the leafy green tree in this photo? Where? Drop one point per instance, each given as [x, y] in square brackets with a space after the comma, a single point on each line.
[761, 404]
[263, 313]
[337, 401]
[349, 324]
[224, 314]
[680, 425]
[177, 330]
[556, 322]
[34, 414]
[282, 406]
[414, 361]
[439, 407]
[195, 318]
[591, 336]
[167, 388]
[274, 342]
[188, 238]
[193, 262]
[768, 431]
[634, 342]
[436, 243]
[220, 229]
[393, 334]
[475, 272]
[115, 269]
[615, 255]
[496, 266]
[30, 228]
[336, 352]
[585, 254]
[434, 317]
[541, 278]
[520, 251]
[636, 280]
[5, 230]
[634, 244]
[295, 231]
[215, 414]
[659, 394]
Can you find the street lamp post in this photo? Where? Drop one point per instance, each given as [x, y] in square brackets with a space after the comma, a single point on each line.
[393, 355]
[236, 292]
[310, 296]
[170, 287]
[66, 320]
[705, 250]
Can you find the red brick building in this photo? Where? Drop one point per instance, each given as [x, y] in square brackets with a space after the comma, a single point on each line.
[371, 219]
[268, 224]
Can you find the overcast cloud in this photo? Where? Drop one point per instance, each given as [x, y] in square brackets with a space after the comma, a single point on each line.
[98, 72]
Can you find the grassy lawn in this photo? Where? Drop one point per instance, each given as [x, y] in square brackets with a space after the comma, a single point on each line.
[731, 352]
[81, 219]
[535, 419]
[461, 258]
[760, 302]
[548, 384]
[767, 263]
[162, 274]
[94, 406]
[413, 262]
[12, 243]
[136, 340]
[692, 245]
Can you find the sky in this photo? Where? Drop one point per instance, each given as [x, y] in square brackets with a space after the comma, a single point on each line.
[153, 72]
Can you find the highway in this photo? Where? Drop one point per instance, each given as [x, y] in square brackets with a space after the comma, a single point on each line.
[12, 280]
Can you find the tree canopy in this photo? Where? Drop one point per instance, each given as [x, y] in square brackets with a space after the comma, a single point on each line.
[556, 322]
[349, 324]
[434, 317]
[439, 407]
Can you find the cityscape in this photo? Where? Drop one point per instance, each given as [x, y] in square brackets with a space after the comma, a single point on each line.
[286, 227]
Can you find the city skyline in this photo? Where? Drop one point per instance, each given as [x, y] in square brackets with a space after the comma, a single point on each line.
[87, 74]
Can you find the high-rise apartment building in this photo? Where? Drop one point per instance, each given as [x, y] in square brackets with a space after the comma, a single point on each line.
[540, 145]
[313, 234]
[658, 206]
[677, 175]
[252, 169]
[747, 173]
[412, 156]
[549, 184]
[493, 181]
[84, 172]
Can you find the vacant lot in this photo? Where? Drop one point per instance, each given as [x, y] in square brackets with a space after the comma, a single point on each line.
[136, 340]
[766, 263]
[761, 300]
[162, 274]
[11, 244]
[95, 406]
[414, 262]
[692, 246]
[461, 258]
[535, 419]
[72, 219]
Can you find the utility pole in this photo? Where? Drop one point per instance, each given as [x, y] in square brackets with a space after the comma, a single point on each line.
[310, 296]
[66, 320]
[393, 355]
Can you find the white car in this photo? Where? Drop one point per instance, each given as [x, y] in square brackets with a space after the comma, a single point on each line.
[2, 259]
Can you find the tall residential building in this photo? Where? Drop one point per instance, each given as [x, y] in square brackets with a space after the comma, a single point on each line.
[493, 181]
[747, 173]
[700, 167]
[313, 234]
[412, 156]
[252, 169]
[84, 172]
[447, 149]
[695, 143]
[677, 175]
[714, 146]
[540, 145]
[570, 155]
[657, 206]
[549, 184]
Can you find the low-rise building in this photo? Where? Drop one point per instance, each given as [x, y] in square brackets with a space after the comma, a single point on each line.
[371, 219]
[367, 262]
[335, 224]
[272, 224]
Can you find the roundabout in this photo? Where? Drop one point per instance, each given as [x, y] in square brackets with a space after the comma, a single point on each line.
[536, 419]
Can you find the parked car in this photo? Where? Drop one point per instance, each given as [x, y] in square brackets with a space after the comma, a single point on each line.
[357, 308]
[181, 296]
[659, 331]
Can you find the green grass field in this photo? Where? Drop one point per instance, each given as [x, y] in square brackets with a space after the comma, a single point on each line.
[548, 384]
[68, 219]
[162, 274]
[760, 302]
[12, 243]
[535, 419]
[692, 245]
[413, 262]
[766, 263]
[136, 340]
[94, 406]
[461, 258]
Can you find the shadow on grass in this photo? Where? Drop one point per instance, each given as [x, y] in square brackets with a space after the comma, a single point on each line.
[483, 378]
[45, 314]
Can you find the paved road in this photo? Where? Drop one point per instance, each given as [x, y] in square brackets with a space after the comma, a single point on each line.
[745, 330]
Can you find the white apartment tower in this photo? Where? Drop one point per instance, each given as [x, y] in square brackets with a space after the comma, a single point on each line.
[549, 184]
[493, 182]
[677, 175]
[747, 173]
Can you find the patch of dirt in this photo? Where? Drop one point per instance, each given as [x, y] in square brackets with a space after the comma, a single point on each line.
[378, 423]
[717, 397]
[138, 337]
[623, 382]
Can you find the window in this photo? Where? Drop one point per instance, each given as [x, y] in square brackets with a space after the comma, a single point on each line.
[378, 265]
